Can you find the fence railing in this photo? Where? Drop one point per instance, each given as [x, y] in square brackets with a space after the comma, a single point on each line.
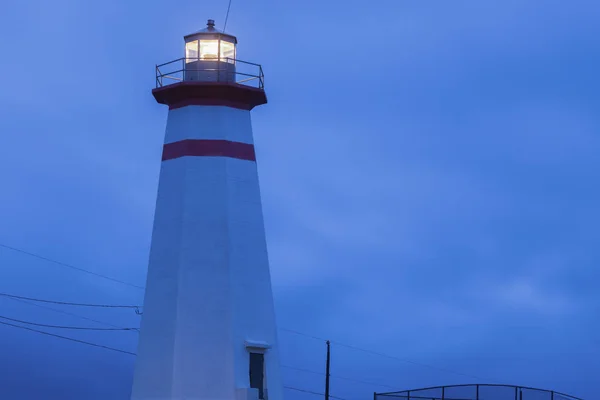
[476, 392]
[246, 73]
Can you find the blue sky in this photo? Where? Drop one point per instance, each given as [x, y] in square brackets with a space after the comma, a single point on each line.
[428, 169]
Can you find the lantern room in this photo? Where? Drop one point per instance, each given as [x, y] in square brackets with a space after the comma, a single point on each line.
[210, 55]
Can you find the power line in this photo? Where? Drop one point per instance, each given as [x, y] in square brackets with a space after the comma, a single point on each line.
[283, 329]
[70, 266]
[383, 354]
[136, 329]
[134, 354]
[407, 361]
[302, 334]
[65, 312]
[68, 338]
[340, 377]
[66, 303]
[83, 328]
[131, 353]
[311, 392]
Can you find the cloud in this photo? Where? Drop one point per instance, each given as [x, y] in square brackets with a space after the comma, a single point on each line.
[523, 294]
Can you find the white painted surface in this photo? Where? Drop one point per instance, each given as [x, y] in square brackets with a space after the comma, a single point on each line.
[209, 122]
[208, 289]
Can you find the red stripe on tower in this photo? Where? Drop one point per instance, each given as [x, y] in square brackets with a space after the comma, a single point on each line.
[208, 148]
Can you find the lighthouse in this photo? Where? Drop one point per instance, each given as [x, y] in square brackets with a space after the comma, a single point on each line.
[208, 327]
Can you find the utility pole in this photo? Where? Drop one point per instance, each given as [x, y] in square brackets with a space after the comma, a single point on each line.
[327, 370]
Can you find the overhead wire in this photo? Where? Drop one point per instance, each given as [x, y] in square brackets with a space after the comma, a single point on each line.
[311, 392]
[136, 307]
[340, 377]
[83, 328]
[134, 354]
[303, 334]
[66, 303]
[116, 328]
[96, 274]
[68, 338]
[282, 329]
[383, 354]
[408, 361]
[65, 312]
[356, 348]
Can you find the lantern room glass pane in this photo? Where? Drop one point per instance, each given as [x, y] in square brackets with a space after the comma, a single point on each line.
[209, 49]
[191, 51]
[227, 51]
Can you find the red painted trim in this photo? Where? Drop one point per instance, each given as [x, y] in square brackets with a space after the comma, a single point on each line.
[208, 148]
[210, 93]
[208, 102]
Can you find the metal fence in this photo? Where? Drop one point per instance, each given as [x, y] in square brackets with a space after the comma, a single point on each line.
[476, 392]
[246, 73]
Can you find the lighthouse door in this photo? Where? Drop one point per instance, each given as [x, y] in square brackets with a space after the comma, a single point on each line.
[257, 373]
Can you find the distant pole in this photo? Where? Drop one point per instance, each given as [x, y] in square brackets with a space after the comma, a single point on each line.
[327, 370]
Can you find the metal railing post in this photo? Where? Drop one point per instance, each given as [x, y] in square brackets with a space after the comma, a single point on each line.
[262, 77]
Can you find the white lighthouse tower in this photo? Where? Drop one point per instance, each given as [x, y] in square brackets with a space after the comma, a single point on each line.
[208, 327]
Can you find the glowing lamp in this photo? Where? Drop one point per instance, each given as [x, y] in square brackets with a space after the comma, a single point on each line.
[210, 55]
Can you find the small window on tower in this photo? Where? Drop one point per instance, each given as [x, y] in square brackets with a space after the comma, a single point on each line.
[257, 373]
[191, 51]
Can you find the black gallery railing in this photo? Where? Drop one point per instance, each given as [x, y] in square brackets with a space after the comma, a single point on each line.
[229, 69]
